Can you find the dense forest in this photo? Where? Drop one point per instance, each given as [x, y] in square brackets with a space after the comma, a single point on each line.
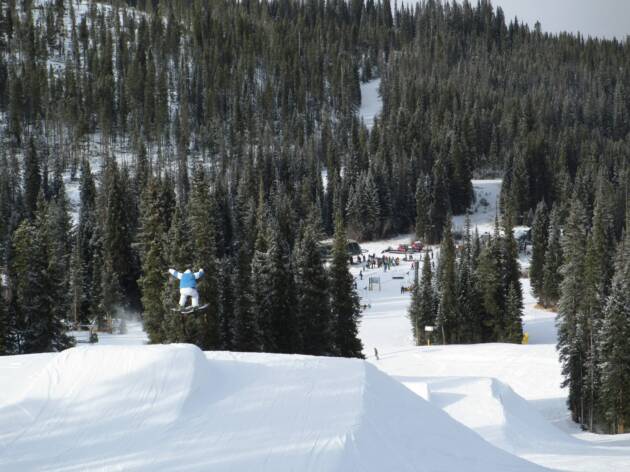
[138, 136]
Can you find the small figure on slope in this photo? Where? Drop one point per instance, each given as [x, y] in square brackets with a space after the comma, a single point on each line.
[188, 287]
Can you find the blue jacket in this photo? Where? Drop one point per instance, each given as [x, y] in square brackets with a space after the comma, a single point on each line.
[187, 279]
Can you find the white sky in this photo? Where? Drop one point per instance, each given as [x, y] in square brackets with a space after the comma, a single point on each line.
[602, 18]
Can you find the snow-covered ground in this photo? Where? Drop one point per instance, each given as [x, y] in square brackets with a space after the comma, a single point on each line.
[174, 408]
[134, 336]
[484, 209]
[371, 102]
[509, 394]
[490, 407]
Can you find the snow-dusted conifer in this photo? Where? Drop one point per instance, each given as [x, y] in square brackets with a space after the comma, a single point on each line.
[344, 301]
[540, 237]
[447, 317]
[313, 303]
[572, 344]
[201, 217]
[552, 276]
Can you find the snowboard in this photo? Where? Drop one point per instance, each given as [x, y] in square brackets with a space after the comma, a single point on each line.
[190, 309]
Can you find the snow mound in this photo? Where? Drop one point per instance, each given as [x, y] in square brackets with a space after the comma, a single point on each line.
[502, 417]
[174, 408]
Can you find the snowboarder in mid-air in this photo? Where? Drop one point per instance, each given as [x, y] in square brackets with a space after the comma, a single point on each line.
[188, 288]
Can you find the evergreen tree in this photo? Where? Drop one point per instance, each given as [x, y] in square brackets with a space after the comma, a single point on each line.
[440, 203]
[280, 334]
[116, 269]
[32, 179]
[614, 344]
[247, 330]
[261, 284]
[313, 305]
[491, 289]
[423, 306]
[598, 272]
[552, 276]
[154, 274]
[344, 300]
[512, 326]
[226, 305]
[572, 344]
[423, 200]
[540, 237]
[37, 327]
[203, 235]
[513, 329]
[56, 228]
[179, 255]
[447, 317]
[468, 296]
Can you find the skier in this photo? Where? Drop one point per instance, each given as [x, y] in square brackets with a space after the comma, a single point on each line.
[188, 286]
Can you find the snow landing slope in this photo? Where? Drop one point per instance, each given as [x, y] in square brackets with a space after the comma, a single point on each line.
[174, 408]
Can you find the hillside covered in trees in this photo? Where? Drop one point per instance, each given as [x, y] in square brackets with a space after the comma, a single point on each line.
[196, 133]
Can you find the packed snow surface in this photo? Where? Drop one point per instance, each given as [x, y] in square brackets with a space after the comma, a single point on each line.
[172, 408]
[484, 209]
[371, 102]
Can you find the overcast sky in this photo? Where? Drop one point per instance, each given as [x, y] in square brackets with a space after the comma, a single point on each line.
[602, 18]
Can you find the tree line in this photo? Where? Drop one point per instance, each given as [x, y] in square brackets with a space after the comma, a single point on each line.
[473, 293]
[581, 268]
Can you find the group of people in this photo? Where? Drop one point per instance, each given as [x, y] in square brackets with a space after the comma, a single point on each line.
[386, 262]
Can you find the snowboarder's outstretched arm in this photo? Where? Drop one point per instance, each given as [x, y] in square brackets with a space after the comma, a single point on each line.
[175, 274]
[199, 274]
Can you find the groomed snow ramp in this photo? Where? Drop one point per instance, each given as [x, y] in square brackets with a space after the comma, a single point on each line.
[175, 408]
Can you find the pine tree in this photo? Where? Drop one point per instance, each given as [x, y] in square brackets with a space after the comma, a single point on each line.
[56, 229]
[154, 275]
[468, 296]
[313, 305]
[116, 270]
[615, 351]
[202, 210]
[247, 331]
[513, 325]
[261, 284]
[38, 327]
[423, 306]
[32, 179]
[540, 237]
[512, 330]
[572, 344]
[491, 289]
[423, 200]
[85, 290]
[552, 276]
[178, 255]
[440, 203]
[614, 344]
[447, 318]
[461, 190]
[344, 300]
[282, 292]
[598, 272]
